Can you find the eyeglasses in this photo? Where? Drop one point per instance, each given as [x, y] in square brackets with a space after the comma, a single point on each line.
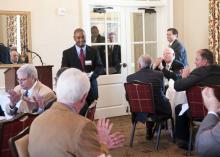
[22, 80]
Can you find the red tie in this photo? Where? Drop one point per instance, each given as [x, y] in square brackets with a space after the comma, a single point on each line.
[82, 59]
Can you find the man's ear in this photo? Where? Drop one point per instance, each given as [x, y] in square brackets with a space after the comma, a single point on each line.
[205, 62]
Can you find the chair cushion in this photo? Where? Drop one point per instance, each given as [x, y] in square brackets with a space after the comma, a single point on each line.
[22, 146]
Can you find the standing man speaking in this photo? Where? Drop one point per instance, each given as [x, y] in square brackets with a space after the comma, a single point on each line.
[86, 59]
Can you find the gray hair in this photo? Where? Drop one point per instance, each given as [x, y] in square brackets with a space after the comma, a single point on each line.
[144, 61]
[72, 85]
[169, 50]
[29, 70]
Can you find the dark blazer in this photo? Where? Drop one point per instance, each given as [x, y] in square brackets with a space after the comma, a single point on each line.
[162, 105]
[206, 75]
[174, 71]
[101, 48]
[114, 58]
[4, 54]
[71, 59]
[100, 39]
[208, 137]
[180, 52]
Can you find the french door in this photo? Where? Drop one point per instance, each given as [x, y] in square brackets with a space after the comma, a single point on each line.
[121, 31]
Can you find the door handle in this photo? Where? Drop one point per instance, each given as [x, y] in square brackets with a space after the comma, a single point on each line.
[124, 65]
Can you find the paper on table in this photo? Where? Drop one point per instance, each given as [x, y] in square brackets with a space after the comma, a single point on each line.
[184, 108]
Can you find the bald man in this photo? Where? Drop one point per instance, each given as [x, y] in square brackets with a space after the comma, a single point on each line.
[168, 65]
[148, 75]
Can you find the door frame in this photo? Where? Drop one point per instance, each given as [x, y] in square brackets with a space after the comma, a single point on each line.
[164, 21]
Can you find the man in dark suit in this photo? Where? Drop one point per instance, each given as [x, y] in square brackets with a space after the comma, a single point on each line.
[169, 66]
[114, 55]
[206, 73]
[96, 37]
[14, 56]
[208, 135]
[4, 54]
[85, 58]
[145, 74]
[180, 51]
[99, 39]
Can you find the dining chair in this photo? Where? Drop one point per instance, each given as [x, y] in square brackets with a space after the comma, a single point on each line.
[19, 143]
[140, 98]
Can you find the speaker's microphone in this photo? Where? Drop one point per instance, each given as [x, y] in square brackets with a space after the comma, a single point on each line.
[30, 51]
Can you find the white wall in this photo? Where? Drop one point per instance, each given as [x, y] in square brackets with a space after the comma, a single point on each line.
[51, 33]
[191, 19]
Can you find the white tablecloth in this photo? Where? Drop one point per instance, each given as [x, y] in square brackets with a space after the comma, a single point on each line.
[3, 101]
[175, 97]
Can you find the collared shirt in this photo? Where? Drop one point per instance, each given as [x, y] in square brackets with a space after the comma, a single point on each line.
[79, 48]
[30, 92]
[214, 113]
[168, 65]
[170, 44]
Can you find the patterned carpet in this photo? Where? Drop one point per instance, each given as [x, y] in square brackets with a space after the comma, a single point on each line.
[142, 147]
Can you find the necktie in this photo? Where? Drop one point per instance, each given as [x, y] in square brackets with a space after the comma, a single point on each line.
[26, 93]
[82, 59]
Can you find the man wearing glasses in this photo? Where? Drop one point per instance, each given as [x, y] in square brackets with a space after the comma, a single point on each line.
[30, 95]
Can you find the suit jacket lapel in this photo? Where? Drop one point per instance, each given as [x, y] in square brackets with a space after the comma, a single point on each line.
[174, 44]
[88, 54]
[36, 89]
[76, 58]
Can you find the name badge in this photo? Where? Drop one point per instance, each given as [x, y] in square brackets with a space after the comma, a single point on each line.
[88, 62]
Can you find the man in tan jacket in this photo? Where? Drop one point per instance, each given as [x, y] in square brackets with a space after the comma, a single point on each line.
[26, 96]
[62, 132]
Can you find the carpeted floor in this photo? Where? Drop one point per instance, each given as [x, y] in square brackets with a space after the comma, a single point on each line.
[142, 147]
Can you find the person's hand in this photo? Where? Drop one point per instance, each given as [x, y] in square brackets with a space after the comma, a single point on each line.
[158, 62]
[39, 100]
[114, 140]
[210, 101]
[14, 97]
[185, 72]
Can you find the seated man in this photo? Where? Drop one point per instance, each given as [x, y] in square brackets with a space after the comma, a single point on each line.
[206, 73]
[68, 133]
[169, 66]
[208, 136]
[145, 74]
[24, 97]
[14, 56]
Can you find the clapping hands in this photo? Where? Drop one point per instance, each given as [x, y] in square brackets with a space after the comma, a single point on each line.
[14, 96]
[112, 141]
[185, 72]
[210, 101]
